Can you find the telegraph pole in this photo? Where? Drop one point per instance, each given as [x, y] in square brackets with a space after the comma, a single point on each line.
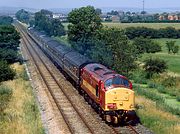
[143, 5]
[143, 9]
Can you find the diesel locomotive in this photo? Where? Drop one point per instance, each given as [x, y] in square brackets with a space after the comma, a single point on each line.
[109, 93]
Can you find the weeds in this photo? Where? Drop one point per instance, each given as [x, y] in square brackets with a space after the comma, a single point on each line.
[160, 101]
[5, 97]
[22, 114]
[24, 75]
[160, 122]
[169, 81]
[139, 77]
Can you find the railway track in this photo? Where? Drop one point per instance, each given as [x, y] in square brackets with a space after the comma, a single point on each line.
[76, 121]
[126, 130]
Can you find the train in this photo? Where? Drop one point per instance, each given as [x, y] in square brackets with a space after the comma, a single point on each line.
[109, 93]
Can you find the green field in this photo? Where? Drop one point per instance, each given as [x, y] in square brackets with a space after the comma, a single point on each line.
[125, 25]
[173, 60]
[149, 25]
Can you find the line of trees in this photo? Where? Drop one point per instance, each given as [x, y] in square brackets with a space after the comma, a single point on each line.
[169, 32]
[42, 20]
[9, 42]
[5, 20]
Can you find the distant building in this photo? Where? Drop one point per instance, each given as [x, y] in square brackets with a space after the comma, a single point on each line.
[60, 16]
[173, 17]
[103, 17]
[115, 18]
[161, 17]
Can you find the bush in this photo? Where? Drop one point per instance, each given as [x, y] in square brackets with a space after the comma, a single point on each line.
[152, 84]
[160, 101]
[154, 66]
[24, 75]
[5, 97]
[6, 72]
[149, 94]
[146, 45]
[169, 81]
[161, 89]
[178, 98]
[8, 55]
[139, 77]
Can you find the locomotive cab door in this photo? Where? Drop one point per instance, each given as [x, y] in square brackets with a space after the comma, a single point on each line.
[97, 91]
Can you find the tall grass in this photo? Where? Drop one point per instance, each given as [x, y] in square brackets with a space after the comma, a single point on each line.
[5, 97]
[23, 113]
[160, 100]
[159, 121]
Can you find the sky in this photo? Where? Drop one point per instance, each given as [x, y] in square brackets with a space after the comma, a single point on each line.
[96, 3]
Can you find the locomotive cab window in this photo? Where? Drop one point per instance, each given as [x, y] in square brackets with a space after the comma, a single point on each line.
[117, 81]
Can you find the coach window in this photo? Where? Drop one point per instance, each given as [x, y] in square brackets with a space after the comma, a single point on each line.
[97, 90]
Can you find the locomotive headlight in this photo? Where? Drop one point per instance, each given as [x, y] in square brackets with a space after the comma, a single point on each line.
[131, 106]
[111, 105]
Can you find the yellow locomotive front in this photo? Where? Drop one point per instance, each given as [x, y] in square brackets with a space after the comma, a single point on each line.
[118, 100]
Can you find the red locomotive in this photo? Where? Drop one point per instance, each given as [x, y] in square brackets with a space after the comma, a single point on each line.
[108, 92]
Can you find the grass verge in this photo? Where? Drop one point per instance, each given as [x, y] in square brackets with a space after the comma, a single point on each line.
[159, 121]
[22, 116]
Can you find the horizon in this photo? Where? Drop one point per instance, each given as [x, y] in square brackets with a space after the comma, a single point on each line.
[39, 4]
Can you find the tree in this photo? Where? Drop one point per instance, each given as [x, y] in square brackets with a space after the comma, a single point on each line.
[154, 47]
[113, 13]
[41, 21]
[175, 49]
[5, 20]
[170, 45]
[146, 45]
[123, 52]
[98, 11]
[8, 55]
[45, 22]
[23, 16]
[154, 66]
[156, 16]
[101, 53]
[9, 38]
[84, 23]
[57, 28]
[143, 12]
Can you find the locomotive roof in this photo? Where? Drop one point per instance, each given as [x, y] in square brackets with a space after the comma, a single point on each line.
[100, 71]
[76, 58]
